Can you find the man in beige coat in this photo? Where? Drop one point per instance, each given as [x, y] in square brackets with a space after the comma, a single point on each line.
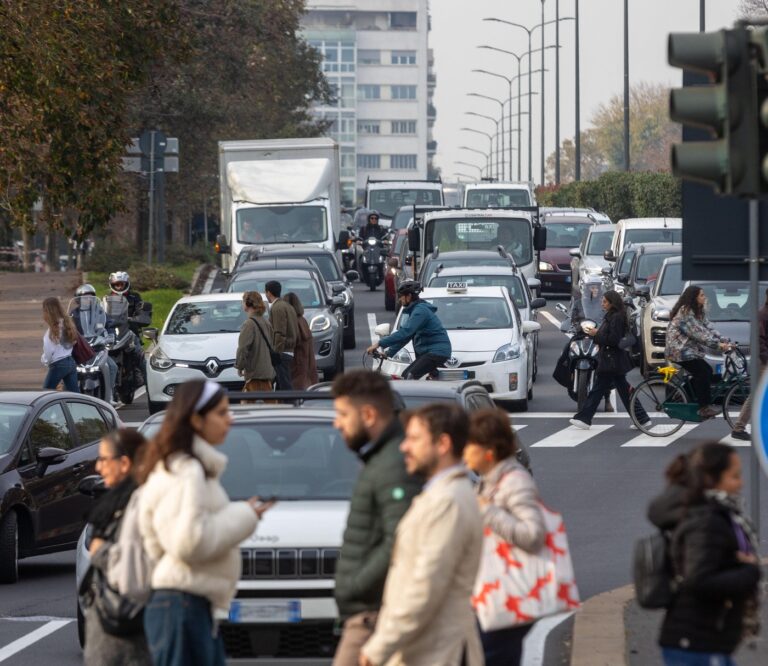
[426, 618]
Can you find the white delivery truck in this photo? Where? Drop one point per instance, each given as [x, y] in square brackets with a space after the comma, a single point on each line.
[386, 196]
[498, 194]
[278, 191]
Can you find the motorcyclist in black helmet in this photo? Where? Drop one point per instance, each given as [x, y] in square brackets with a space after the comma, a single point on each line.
[120, 284]
[373, 228]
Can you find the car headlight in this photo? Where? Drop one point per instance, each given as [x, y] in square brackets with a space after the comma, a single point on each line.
[346, 297]
[319, 324]
[159, 360]
[660, 315]
[574, 346]
[403, 356]
[546, 266]
[508, 352]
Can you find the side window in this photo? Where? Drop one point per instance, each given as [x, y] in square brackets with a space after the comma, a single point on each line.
[50, 429]
[88, 422]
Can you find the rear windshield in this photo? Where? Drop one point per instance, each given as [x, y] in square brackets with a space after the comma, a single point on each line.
[653, 236]
[388, 201]
[649, 265]
[566, 235]
[500, 198]
[511, 282]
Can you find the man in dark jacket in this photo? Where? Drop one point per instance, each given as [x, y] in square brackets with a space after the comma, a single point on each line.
[373, 228]
[285, 329]
[366, 418]
[419, 323]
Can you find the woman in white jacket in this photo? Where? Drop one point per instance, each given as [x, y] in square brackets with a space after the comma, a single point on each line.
[509, 504]
[190, 529]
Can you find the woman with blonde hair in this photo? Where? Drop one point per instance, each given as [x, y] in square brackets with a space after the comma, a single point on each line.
[254, 360]
[58, 342]
[304, 372]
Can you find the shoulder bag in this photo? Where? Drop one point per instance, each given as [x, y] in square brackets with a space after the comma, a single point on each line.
[82, 352]
[655, 582]
[273, 355]
[514, 588]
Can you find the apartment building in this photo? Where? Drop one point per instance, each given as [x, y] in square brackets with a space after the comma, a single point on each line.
[377, 62]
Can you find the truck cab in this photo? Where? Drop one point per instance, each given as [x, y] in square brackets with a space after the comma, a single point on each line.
[498, 195]
[386, 196]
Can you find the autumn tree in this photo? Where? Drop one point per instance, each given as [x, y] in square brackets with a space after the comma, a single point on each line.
[753, 8]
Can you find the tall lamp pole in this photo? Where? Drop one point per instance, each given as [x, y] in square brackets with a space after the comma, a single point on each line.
[501, 122]
[577, 166]
[509, 100]
[496, 122]
[469, 164]
[490, 145]
[557, 92]
[626, 85]
[479, 152]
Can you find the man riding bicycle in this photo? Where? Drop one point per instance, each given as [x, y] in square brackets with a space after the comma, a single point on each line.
[420, 324]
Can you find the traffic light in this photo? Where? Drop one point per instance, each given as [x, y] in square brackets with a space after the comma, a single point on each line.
[728, 108]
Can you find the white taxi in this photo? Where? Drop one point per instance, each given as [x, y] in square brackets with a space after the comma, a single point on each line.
[490, 341]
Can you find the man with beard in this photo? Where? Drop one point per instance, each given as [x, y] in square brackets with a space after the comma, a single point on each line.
[426, 616]
[365, 416]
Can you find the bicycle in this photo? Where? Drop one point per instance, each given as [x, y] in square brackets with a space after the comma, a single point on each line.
[670, 394]
[369, 363]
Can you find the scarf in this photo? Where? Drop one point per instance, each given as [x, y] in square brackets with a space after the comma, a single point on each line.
[106, 513]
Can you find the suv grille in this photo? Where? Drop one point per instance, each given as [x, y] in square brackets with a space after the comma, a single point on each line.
[658, 337]
[267, 563]
[304, 640]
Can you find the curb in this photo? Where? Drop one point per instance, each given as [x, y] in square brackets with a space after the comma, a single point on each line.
[599, 635]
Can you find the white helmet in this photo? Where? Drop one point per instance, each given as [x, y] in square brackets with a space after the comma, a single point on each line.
[119, 282]
[86, 289]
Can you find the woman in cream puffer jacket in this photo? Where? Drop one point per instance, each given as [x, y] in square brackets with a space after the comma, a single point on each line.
[191, 530]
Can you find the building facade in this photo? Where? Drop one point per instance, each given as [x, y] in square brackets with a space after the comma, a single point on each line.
[378, 64]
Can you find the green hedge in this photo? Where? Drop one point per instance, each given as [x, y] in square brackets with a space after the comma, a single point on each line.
[619, 195]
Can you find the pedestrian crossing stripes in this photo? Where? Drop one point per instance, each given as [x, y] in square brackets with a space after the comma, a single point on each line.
[570, 437]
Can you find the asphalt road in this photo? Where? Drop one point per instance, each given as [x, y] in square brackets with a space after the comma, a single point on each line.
[601, 480]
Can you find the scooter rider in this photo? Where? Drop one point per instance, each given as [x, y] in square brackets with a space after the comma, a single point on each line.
[430, 340]
[120, 284]
[373, 228]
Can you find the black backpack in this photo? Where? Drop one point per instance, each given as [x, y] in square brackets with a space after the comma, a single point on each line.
[655, 582]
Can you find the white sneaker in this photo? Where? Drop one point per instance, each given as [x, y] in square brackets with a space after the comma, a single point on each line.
[647, 424]
[579, 424]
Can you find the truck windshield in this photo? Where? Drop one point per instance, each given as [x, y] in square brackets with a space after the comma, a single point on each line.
[513, 234]
[498, 198]
[388, 201]
[282, 224]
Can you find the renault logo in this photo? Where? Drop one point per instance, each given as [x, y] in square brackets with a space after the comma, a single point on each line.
[212, 367]
[452, 362]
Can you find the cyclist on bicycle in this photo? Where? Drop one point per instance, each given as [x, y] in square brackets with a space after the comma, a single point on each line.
[420, 324]
[689, 336]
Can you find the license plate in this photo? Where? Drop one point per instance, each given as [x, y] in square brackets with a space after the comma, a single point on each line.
[277, 611]
[455, 375]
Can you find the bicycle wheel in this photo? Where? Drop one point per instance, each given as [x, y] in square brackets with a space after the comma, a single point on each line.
[651, 395]
[734, 400]
[368, 361]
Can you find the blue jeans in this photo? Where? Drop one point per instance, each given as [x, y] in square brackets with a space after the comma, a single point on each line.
[179, 630]
[673, 657]
[66, 369]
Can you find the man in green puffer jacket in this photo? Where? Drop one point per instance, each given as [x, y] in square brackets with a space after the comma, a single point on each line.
[365, 416]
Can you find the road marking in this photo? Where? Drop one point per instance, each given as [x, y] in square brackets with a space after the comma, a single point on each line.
[550, 318]
[647, 441]
[371, 327]
[535, 643]
[570, 437]
[7, 651]
[566, 415]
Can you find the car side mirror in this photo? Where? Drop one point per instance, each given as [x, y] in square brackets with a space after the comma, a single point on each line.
[530, 327]
[338, 288]
[221, 246]
[539, 238]
[537, 303]
[608, 255]
[382, 330]
[352, 275]
[643, 291]
[49, 455]
[149, 334]
[575, 252]
[92, 486]
[414, 239]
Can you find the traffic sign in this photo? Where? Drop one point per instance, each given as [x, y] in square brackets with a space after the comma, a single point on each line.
[760, 433]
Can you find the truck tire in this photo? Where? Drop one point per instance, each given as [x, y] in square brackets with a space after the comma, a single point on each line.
[9, 548]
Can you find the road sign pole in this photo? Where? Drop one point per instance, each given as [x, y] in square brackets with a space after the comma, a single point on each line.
[151, 222]
[754, 365]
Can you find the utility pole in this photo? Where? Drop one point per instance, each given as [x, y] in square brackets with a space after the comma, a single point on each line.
[543, 95]
[577, 166]
[626, 85]
[557, 92]
[151, 223]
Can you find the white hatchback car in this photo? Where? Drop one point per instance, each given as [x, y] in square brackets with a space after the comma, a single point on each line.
[490, 341]
[198, 340]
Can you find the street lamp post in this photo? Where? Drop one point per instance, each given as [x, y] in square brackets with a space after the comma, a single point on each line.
[509, 84]
[501, 122]
[495, 122]
[577, 166]
[626, 85]
[557, 92]
[490, 144]
[469, 164]
[479, 152]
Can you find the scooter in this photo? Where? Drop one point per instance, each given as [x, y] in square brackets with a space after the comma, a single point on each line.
[348, 254]
[93, 376]
[372, 262]
[582, 359]
[123, 346]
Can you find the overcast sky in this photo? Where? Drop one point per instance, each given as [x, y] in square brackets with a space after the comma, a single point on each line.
[458, 28]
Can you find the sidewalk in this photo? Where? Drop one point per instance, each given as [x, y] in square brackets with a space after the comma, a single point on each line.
[21, 323]
[612, 630]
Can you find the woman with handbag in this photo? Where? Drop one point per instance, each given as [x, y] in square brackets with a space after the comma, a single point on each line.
[108, 643]
[304, 371]
[509, 503]
[613, 362]
[253, 360]
[58, 342]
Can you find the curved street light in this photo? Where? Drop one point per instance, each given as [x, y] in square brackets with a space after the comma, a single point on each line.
[490, 144]
[495, 122]
[469, 164]
[501, 112]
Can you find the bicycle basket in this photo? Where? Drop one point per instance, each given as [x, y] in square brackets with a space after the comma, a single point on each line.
[735, 365]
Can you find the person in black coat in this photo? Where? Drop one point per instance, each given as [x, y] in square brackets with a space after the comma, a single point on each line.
[714, 557]
[612, 362]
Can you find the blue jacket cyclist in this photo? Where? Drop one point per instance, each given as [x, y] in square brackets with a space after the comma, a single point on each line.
[430, 339]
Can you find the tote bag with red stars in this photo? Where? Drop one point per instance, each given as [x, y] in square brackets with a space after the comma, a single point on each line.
[514, 587]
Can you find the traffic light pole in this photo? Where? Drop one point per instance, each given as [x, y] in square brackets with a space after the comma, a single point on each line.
[754, 365]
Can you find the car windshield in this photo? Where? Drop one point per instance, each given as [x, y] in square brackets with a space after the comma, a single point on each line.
[290, 460]
[456, 233]
[305, 288]
[511, 282]
[498, 198]
[11, 417]
[329, 269]
[459, 313]
[672, 280]
[281, 224]
[661, 235]
[208, 317]
[649, 265]
[388, 201]
[730, 302]
[599, 242]
[566, 235]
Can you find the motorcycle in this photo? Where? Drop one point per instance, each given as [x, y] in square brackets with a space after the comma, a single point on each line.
[93, 376]
[372, 262]
[348, 254]
[123, 347]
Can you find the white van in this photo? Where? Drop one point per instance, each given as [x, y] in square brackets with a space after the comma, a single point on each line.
[498, 195]
[644, 230]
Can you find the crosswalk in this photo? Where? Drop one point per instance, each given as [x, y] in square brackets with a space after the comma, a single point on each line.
[551, 430]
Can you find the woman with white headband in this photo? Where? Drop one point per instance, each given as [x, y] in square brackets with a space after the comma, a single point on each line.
[191, 530]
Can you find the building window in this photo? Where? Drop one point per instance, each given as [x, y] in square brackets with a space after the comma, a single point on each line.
[347, 155]
[403, 58]
[369, 127]
[403, 92]
[368, 161]
[402, 20]
[369, 57]
[402, 162]
[369, 92]
[403, 127]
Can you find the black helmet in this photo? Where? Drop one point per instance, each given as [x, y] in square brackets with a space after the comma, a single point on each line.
[373, 213]
[409, 287]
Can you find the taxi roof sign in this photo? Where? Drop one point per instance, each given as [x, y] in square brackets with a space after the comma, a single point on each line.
[456, 286]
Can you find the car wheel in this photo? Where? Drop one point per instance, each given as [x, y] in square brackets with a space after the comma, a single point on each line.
[9, 548]
[349, 332]
[80, 627]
